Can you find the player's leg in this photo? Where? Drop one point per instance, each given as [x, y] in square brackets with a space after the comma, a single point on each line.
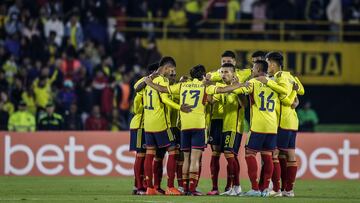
[215, 142]
[254, 144]
[158, 170]
[291, 166]
[268, 148]
[283, 141]
[185, 148]
[197, 147]
[276, 172]
[230, 158]
[179, 157]
[236, 146]
[185, 169]
[139, 162]
[200, 169]
[133, 139]
[148, 163]
[194, 170]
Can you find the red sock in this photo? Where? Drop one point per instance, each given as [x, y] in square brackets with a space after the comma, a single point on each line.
[282, 161]
[139, 171]
[149, 169]
[158, 172]
[179, 166]
[214, 169]
[237, 172]
[276, 175]
[193, 178]
[268, 168]
[291, 170]
[231, 169]
[228, 178]
[185, 180]
[171, 167]
[200, 163]
[261, 179]
[252, 170]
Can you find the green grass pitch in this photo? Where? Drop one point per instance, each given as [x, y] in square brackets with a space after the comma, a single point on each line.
[114, 189]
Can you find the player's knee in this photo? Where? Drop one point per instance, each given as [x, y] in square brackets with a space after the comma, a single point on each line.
[229, 154]
[151, 151]
[291, 156]
[250, 152]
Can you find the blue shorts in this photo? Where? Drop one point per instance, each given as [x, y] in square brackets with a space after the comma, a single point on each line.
[192, 139]
[137, 140]
[159, 139]
[261, 141]
[286, 139]
[231, 141]
[215, 136]
[176, 132]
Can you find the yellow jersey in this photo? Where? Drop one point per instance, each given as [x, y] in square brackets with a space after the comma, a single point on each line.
[174, 113]
[156, 113]
[242, 74]
[138, 120]
[288, 118]
[234, 114]
[263, 101]
[192, 93]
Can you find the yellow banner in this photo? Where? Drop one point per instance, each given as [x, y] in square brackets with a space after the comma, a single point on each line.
[315, 63]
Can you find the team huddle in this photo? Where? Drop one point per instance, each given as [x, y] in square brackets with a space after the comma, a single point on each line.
[183, 117]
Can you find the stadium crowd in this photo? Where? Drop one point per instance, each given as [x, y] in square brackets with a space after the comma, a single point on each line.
[73, 58]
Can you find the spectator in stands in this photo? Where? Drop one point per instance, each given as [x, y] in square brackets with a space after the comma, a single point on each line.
[50, 121]
[66, 96]
[177, 16]
[10, 68]
[124, 95]
[12, 45]
[28, 96]
[194, 16]
[13, 25]
[115, 124]
[22, 120]
[315, 11]
[16, 91]
[42, 89]
[74, 31]
[70, 65]
[73, 119]
[152, 54]
[107, 98]
[6, 103]
[352, 13]
[308, 118]
[246, 14]
[54, 24]
[96, 121]
[334, 15]
[4, 85]
[233, 14]
[94, 29]
[259, 16]
[4, 118]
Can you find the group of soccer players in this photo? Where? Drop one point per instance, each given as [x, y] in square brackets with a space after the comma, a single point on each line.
[183, 117]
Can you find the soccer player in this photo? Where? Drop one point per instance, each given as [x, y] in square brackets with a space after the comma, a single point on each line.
[216, 122]
[232, 130]
[192, 124]
[157, 126]
[263, 127]
[257, 55]
[174, 120]
[137, 135]
[288, 124]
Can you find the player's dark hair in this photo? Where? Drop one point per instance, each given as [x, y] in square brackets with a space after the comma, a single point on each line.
[276, 57]
[228, 65]
[228, 53]
[263, 65]
[198, 72]
[167, 60]
[258, 54]
[152, 67]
